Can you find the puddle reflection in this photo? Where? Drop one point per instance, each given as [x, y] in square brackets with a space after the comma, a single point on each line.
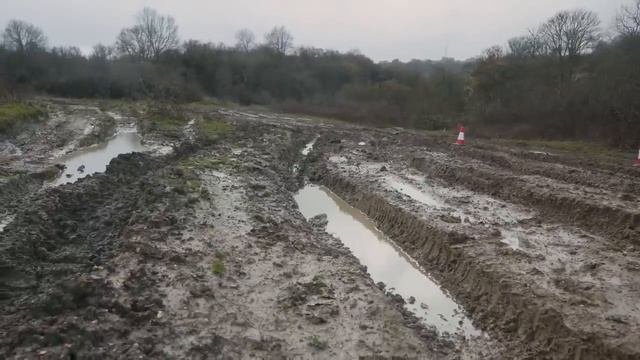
[95, 159]
[385, 261]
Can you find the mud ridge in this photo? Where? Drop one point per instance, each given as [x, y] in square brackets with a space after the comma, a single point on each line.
[535, 164]
[595, 163]
[52, 253]
[618, 224]
[17, 187]
[506, 307]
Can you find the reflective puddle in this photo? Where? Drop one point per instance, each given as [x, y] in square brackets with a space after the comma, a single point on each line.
[414, 192]
[470, 208]
[95, 158]
[511, 238]
[385, 261]
[4, 221]
[307, 149]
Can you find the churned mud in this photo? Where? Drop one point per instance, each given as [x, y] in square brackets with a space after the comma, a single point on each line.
[385, 262]
[212, 233]
[539, 281]
[94, 159]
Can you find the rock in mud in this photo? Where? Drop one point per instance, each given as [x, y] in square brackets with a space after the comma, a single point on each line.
[319, 221]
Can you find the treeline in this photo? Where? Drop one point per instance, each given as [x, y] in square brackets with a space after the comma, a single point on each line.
[561, 80]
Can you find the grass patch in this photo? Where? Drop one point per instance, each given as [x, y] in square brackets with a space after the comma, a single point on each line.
[217, 267]
[209, 162]
[316, 342]
[185, 181]
[14, 112]
[211, 130]
[212, 102]
[193, 185]
[576, 147]
[169, 125]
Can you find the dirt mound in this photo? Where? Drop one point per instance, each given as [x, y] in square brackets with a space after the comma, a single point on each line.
[50, 252]
[532, 324]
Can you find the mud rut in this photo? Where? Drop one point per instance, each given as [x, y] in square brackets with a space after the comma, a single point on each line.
[575, 301]
[203, 254]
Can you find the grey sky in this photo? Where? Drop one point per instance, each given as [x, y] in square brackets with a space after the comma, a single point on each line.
[380, 29]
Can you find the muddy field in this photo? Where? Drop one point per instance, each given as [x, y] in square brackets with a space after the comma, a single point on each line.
[219, 233]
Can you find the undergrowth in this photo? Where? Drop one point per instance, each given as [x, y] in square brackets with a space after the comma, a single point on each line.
[12, 113]
[205, 162]
[574, 147]
[169, 125]
[211, 130]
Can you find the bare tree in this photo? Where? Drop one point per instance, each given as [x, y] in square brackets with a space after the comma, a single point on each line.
[245, 40]
[152, 35]
[627, 21]
[22, 36]
[67, 51]
[571, 33]
[493, 53]
[518, 46]
[101, 53]
[131, 42]
[279, 39]
[530, 45]
[567, 35]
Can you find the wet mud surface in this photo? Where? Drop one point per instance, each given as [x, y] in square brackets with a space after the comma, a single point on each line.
[249, 234]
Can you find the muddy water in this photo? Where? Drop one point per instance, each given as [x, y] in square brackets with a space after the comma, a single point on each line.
[96, 158]
[4, 221]
[426, 196]
[307, 149]
[385, 261]
[414, 192]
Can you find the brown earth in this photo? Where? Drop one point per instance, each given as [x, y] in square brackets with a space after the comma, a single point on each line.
[202, 253]
[565, 293]
[197, 254]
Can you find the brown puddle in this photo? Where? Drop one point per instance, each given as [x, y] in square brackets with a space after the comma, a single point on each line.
[385, 261]
[96, 158]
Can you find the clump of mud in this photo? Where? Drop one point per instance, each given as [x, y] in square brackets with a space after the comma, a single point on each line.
[52, 293]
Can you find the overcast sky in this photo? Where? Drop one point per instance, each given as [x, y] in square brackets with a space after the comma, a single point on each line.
[380, 29]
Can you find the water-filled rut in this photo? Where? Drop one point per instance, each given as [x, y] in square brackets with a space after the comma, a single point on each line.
[94, 159]
[385, 261]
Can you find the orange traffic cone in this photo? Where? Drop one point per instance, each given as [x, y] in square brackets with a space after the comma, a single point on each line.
[638, 159]
[460, 140]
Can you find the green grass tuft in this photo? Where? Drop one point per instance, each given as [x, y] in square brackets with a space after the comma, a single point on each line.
[211, 130]
[12, 113]
[169, 126]
[217, 267]
[573, 147]
[316, 342]
[208, 162]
